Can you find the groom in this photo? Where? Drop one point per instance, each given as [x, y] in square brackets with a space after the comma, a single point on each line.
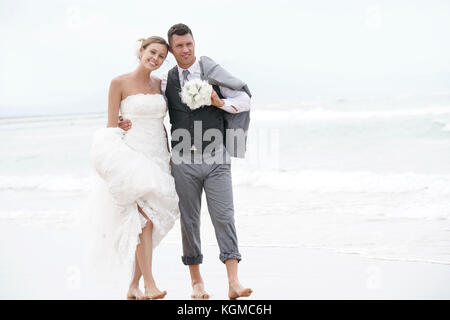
[198, 173]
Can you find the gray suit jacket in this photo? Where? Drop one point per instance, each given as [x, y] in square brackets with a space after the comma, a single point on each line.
[236, 140]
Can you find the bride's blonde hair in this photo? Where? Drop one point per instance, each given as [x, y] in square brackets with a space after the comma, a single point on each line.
[145, 42]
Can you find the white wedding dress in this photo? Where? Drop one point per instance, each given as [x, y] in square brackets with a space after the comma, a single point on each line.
[133, 169]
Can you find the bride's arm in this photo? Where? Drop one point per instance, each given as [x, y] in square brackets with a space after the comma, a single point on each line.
[167, 138]
[115, 95]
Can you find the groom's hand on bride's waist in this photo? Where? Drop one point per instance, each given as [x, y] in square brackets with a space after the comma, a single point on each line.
[124, 124]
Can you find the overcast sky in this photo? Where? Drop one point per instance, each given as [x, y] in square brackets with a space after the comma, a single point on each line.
[64, 53]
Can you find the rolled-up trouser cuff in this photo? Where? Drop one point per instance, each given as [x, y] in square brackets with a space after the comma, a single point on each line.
[225, 256]
[192, 260]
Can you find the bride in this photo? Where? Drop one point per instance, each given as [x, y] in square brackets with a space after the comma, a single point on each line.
[135, 202]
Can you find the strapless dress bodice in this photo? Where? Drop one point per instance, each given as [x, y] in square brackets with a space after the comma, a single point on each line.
[143, 105]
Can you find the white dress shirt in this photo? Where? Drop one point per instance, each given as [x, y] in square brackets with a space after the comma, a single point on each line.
[235, 101]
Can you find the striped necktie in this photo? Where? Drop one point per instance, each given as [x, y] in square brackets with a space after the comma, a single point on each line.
[185, 76]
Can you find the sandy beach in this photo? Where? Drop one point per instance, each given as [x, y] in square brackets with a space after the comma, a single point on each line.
[41, 263]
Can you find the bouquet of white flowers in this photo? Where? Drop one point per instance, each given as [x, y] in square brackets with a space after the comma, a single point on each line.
[196, 93]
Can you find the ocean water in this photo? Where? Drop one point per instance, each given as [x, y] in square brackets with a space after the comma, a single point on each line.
[368, 177]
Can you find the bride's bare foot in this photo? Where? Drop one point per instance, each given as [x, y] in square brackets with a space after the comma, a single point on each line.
[153, 293]
[236, 290]
[134, 293]
[198, 291]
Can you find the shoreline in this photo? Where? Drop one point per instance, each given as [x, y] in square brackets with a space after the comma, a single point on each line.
[331, 250]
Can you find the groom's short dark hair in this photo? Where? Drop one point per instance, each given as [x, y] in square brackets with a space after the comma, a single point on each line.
[180, 29]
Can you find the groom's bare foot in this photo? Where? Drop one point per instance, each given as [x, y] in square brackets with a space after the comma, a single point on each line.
[153, 293]
[134, 293]
[198, 291]
[236, 290]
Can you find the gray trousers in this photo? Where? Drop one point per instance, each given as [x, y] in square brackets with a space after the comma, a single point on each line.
[215, 179]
